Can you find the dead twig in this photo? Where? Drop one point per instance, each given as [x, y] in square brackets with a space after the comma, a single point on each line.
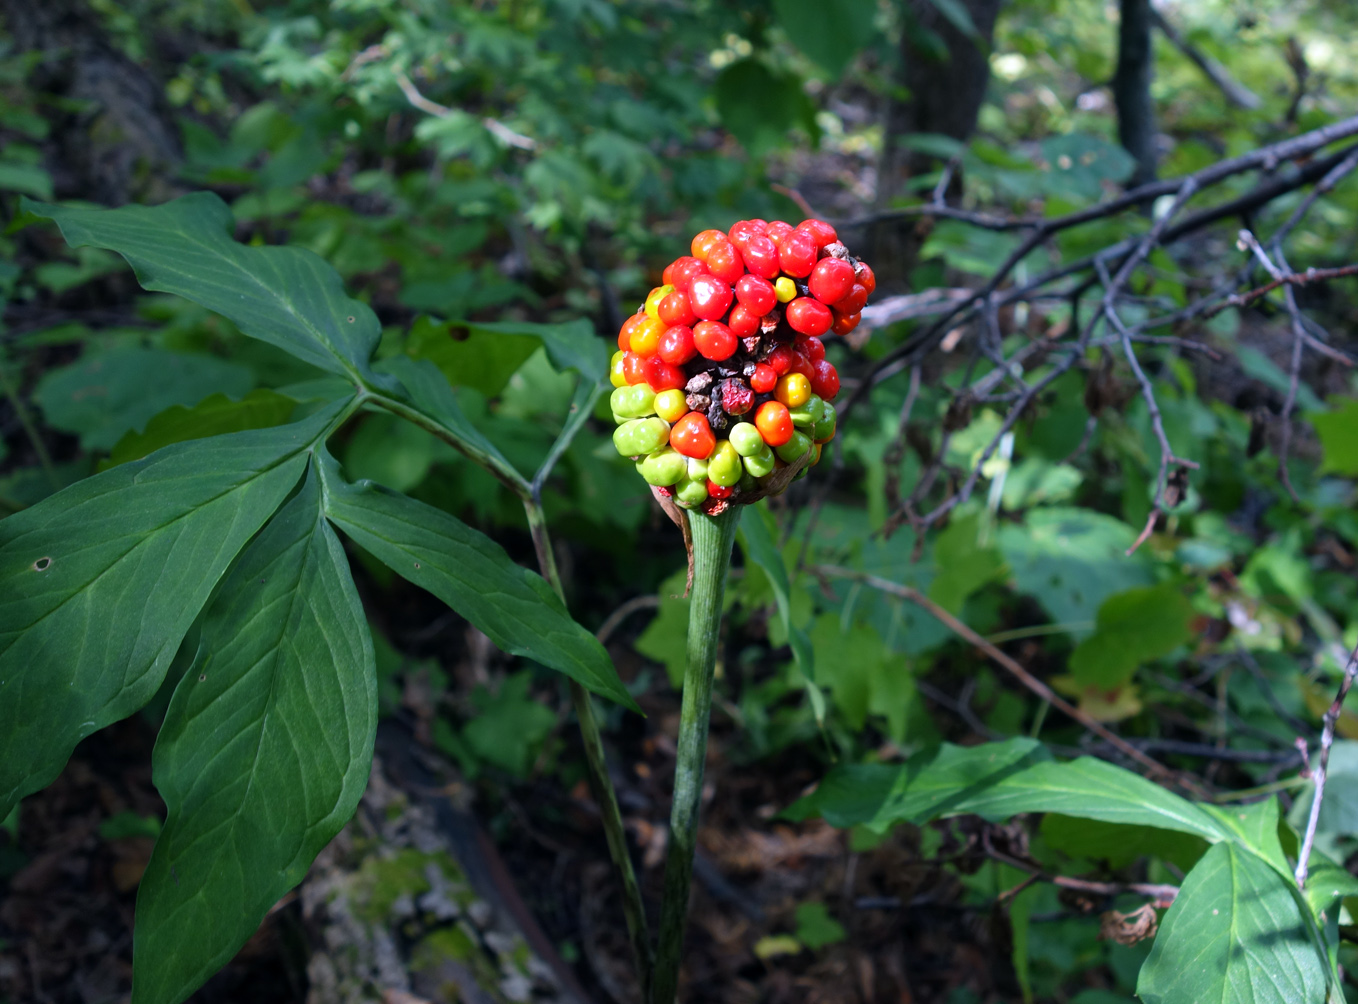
[1322, 763]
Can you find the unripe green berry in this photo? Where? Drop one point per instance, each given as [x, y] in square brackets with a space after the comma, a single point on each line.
[793, 449]
[825, 427]
[663, 468]
[697, 469]
[636, 401]
[723, 467]
[807, 415]
[762, 463]
[746, 439]
[641, 436]
[691, 492]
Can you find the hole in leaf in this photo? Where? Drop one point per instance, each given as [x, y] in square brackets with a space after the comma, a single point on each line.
[351, 318]
[417, 564]
[42, 564]
[202, 677]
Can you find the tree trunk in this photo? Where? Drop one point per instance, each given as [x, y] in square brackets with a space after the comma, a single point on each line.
[944, 87]
[1132, 88]
[122, 143]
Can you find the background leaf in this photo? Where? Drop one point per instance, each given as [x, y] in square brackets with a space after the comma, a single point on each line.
[215, 415]
[830, 32]
[470, 357]
[1132, 628]
[264, 753]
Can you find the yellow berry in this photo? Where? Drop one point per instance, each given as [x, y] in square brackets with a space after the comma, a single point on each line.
[653, 301]
[793, 390]
[615, 374]
[785, 289]
[670, 405]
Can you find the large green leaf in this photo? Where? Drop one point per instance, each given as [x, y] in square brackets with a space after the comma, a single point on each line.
[1235, 935]
[477, 358]
[831, 32]
[99, 582]
[288, 297]
[1132, 628]
[571, 345]
[264, 753]
[515, 608]
[215, 415]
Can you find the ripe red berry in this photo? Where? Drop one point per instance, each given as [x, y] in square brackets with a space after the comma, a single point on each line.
[800, 364]
[756, 293]
[797, 254]
[682, 270]
[634, 368]
[844, 323]
[811, 346]
[743, 321]
[628, 326]
[663, 376]
[765, 378]
[736, 397]
[674, 309]
[692, 436]
[773, 421]
[854, 302]
[808, 316]
[777, 230]
[761, 256]
[709, 297]
[744, 230]
[821, 231]
[824, 379]
[714, 340]
[831, 280]
[867, 277]
[725, 262]
[676, 345]
[717, 491]
[780, 360]
[705, 242]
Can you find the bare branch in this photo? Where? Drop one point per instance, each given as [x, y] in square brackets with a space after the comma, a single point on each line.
[1318, 775]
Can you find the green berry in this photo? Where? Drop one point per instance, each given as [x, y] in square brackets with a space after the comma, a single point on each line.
[697, 469]
[723, 467]
[825, 426]
[807, 415]
[793, 449]
[663, 468]
[746, 439]
[636, 401]
[762, 463]
[691, 492]
[641, 436]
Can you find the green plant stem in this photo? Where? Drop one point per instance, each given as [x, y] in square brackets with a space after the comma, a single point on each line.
[30, 430]
[601, 785]
[713, 537]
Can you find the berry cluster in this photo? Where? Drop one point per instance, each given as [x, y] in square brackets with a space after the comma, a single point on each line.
[722, 388]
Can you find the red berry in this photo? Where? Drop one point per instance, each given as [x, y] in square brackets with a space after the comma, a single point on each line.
[765, 378]
[777, 230]
[797, 254]
[692, 436]
[725, 262]
[867, 277]
[662, 376]
[756, 293]
[831, 280]
[800, 364]
[684, 269]
[854, 302]
[704, 242]
[717, 491]
[812, 347]
[714, 340]
[808, 316]
[676, 345]
[634, 368]
[773, 421]
[743, 321]
[824, 379]
[736, 397]
[761, 256]
[709, 297]
[844, 323]
[674, 309]
[780, 360]
[744, 230]
[821, 231]
[628, 326]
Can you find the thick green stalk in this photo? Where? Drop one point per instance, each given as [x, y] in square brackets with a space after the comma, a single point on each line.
[599, 782]
[713, 537]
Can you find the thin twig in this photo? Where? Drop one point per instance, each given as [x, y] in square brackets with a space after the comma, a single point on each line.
[1322, 763]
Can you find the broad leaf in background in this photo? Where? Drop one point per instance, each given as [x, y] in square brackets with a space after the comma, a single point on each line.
[468, 357]
[829, 32]
[514, 607]
[863, 676]
[963, 563]
[99, 583]
[1338, 431]
[756, 540]
[108, 393]
[1236, 934]
[288, 297]
[264, 753]
[215, 415]
[1339, 811]
[1132, 628]
[571, 345]
[758, 105]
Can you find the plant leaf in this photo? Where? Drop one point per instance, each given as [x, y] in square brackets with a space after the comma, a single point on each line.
[831, 32]
[515, 608]
[288, 297]
[572, 345]
[264, 753]
[216, 415]
[1235, 935]
[1132, 628]
[131, 557]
